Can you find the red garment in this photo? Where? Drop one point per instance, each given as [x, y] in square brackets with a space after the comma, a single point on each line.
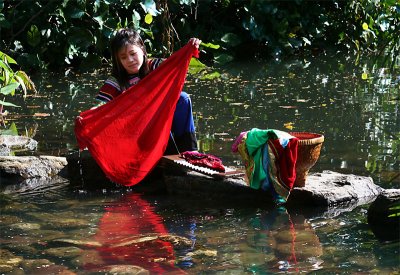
[204, 160]
[286, 159]
[128, 136]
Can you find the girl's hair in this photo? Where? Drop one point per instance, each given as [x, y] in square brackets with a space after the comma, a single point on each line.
[122, 38]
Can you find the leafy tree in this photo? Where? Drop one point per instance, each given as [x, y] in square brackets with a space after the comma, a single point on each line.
[11, 81]
[59, 33]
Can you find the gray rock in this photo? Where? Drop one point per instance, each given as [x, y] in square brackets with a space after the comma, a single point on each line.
[19, 168]
[332, 188]
[4, 150]
[64, 252]
[18, 142]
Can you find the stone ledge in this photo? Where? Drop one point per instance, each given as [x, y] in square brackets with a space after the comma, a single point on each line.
[14, 169]
[328, 190]
[331, 188]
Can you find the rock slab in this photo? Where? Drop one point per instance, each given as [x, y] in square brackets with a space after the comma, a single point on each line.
[332, 188]
[15, 169]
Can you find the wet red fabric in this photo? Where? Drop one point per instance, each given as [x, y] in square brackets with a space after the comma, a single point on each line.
[204, 160]
[128, 136]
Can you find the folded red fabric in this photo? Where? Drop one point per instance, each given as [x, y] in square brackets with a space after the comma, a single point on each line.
[128, 135]
[204, 160]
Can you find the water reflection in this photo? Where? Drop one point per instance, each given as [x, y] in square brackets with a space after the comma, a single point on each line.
[92, 233]
[129, 233]
[291, 240]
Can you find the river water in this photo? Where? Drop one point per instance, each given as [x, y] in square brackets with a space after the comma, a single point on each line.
[59, 230]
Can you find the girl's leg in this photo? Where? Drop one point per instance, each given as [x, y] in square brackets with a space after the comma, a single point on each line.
[183, 128]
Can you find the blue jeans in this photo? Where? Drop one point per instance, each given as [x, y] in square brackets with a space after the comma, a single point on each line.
[183, 129]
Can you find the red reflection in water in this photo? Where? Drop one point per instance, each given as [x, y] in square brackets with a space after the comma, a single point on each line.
[121, 231]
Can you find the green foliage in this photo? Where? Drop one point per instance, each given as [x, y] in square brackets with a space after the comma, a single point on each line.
[11, 81]
[372, 27]
[55, 34]
[11, 131]
[394, 210]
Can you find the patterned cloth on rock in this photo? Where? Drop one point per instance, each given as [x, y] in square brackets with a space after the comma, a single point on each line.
[270, 158]
[204, 160]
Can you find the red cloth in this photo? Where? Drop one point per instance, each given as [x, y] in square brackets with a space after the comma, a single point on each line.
[128, 136]
[204, 160]
[286, 159]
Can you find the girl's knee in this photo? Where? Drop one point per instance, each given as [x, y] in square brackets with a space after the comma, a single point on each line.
[184, 97]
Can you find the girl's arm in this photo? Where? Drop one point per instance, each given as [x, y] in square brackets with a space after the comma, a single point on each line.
[109, 90]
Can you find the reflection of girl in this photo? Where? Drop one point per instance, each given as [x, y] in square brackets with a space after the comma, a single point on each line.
[130, 65]
[124, 223]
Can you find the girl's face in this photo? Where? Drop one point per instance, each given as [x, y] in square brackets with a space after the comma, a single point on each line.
[131, 58]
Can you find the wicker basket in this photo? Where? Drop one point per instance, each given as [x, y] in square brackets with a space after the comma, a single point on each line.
[309, 148]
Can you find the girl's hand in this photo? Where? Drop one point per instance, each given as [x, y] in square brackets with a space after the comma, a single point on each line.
[195, 41]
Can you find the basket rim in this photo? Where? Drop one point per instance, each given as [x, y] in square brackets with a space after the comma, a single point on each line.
[314, 139]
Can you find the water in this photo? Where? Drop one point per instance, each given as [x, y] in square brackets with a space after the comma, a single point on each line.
[114, 231]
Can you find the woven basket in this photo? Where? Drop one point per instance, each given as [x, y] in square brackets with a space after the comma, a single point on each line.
[308, 150]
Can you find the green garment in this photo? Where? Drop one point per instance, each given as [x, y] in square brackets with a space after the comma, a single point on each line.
[256, 139]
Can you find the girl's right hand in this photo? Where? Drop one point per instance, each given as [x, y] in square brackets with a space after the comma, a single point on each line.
[195, 41]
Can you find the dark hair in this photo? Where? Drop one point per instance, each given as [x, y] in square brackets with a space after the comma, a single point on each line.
[122, 38]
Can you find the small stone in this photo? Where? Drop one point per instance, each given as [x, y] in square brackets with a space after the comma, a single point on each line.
[64, 252]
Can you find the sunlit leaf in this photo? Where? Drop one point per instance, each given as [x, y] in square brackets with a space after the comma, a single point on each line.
[27, 81]
[5, 103]
[99, 20]
[148, 33]
[306, 41]
[210, 45]
[8, 58]
[195, 66]
[6, 71]
[210, 76]
[12, 130]
[21, 82]
[96, 5]
[148, 19]
[149, 6]
[77, 13]
[187, 2]
[136, 19]
[10, 88]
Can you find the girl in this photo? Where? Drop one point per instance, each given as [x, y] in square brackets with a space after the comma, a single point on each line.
[129, 65]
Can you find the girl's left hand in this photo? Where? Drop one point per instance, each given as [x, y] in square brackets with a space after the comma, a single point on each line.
[195, 41]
